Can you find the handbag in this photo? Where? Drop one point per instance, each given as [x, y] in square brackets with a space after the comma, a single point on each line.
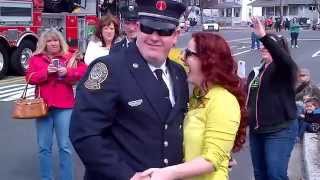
[24, 108]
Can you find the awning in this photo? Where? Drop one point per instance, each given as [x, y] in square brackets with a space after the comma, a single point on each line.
[227, 5]
[271, 3]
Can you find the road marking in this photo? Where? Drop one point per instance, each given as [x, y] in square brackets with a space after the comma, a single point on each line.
[241, 52]
[242, 47]
[14, 91]
[236, 40]
[11, 82]
[12, 79]
[29, 95]
[309, 39]
[316, 54]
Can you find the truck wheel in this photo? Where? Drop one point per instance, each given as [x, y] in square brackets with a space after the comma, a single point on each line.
[3, 61]
[20, 57]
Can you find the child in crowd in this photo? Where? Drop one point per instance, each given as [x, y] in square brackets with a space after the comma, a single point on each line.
[310, 120]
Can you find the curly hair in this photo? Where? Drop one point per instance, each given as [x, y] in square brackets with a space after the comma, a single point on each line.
[219, 67]
[106, 21]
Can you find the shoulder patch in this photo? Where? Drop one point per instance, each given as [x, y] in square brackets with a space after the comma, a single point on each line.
[98, 74]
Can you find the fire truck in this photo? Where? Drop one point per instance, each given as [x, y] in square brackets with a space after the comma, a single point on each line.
[21, 22]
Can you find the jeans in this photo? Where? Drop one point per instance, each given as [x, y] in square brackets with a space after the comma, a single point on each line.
[271, 152]
[58, 121]
[294, 39]
[254, 41]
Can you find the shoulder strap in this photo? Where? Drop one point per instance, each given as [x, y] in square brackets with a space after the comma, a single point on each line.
[24, 93]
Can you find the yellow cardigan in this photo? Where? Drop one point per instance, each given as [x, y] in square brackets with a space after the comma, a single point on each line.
[210, 130]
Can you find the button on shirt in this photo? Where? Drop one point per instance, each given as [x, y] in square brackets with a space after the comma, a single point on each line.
[166, 78]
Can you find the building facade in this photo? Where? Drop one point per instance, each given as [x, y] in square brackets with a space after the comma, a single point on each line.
[286, 8]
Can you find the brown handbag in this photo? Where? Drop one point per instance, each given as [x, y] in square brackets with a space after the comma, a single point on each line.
[25, 108]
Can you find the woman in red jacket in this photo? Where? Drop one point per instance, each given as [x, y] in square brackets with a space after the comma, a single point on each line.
[51, 71]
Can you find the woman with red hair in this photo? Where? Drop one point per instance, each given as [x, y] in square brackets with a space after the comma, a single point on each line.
[216, 122]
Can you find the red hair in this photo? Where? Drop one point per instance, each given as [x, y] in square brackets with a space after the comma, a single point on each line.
[219, 67]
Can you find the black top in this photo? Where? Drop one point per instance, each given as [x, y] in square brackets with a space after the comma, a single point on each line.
[275, 99]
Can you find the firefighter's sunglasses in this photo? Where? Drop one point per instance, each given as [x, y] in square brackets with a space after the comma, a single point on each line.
[161, 32]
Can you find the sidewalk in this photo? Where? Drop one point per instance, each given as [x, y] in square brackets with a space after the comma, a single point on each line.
[311, 151]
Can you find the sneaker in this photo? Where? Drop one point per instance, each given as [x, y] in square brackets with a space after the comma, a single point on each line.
[297, 46]
[292, 46]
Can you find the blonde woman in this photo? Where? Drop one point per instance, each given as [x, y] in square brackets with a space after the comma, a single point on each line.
[50, 71]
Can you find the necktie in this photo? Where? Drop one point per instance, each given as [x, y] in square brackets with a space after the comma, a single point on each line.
[164, 102]
[162, 83]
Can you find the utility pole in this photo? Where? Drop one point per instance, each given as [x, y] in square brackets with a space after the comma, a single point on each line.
[201, 11]
[281, 10]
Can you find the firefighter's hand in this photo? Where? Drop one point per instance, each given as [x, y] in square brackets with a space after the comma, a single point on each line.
[52, 69]
[62, 71]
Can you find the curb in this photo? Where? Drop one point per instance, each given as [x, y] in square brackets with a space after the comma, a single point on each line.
[311, 150]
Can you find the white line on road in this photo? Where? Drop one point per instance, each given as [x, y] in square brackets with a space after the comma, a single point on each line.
[242, 47]
[241, 52]
[11, 86]
[236, 40]
[316, 54]
[17, 96]
[309, 39]
[12, 79]
[14, 89]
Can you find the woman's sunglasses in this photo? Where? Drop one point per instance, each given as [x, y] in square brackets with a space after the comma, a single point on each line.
[188, 53]
[161, 32]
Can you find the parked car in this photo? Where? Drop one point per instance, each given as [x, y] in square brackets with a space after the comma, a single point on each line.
[210, 25]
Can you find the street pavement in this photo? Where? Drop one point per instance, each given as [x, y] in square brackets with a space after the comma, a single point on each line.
[18, 152]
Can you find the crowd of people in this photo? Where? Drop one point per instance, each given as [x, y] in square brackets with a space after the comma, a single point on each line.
[133, 116]
[278, 24]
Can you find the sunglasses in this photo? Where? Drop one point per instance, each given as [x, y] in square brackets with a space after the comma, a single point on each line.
[302, 75]
[161, 32]
[188, 53]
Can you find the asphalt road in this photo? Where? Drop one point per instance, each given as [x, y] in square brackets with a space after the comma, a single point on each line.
[18, 152]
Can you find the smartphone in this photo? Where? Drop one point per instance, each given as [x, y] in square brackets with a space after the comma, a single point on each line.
[242, 69]
[55, 62]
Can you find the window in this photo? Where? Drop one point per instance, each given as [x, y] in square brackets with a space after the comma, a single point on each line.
[293, 10]
[229, 12]
[236, 12]
[15, 11]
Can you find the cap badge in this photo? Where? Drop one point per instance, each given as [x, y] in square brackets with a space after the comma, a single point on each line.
[161, 5]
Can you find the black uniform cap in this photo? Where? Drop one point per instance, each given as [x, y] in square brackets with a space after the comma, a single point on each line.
[160, 14]
[129, 13]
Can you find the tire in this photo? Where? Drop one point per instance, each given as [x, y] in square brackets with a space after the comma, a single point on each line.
[20, 57]
[4, 61]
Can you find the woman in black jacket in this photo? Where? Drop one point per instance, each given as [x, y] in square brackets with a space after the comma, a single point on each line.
[271, 107]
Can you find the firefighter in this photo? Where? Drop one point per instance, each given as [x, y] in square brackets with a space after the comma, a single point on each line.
[131, 104]
[130, 27]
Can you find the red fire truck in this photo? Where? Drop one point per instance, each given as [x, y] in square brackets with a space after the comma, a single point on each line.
[21, 22]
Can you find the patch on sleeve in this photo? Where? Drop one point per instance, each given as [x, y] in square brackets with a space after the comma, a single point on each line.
[98, 74]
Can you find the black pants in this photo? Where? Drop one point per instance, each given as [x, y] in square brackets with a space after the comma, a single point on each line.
[294, 38]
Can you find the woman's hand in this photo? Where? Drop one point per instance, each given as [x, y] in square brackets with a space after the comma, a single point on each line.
[259, 29]
[62, 71]
[52, 69]
[160, 173]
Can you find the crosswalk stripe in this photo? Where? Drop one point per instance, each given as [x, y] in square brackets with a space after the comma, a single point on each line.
[14, 91]
[10, 86]
[17, 96]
